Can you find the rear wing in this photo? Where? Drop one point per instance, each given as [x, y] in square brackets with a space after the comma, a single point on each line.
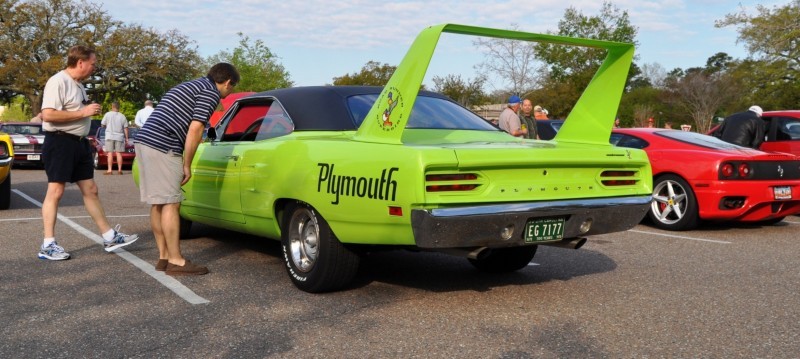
[591, 118]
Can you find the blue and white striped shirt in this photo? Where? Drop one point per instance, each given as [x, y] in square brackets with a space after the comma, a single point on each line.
[167, 126]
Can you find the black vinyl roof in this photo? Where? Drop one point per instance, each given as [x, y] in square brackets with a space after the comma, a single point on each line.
[322, 107]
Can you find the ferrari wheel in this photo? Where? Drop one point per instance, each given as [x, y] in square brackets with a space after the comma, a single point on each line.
[315, 259]
[5, 193]
[674, 206]
[504, 260]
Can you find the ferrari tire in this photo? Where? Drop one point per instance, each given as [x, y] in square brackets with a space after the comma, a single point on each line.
[674, 205]
[5, 193]
[315, 259]
[505, 260]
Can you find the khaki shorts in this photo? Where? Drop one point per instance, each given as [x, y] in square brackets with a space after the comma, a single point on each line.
[160, 175]
[114, 146]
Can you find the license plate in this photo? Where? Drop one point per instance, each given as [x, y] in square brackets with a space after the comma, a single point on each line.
[33, 157]
[782, 192]
[544, 229]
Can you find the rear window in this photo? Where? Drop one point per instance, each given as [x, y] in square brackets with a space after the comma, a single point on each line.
[698, 139]
[429, 112]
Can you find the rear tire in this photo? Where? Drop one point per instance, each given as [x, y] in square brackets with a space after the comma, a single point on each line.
[315, 259]
[5, 193]
[674, 205]
[96, 160]
[505, 260]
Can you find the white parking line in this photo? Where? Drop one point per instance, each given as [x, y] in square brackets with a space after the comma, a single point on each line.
[681, 237]
[792, 222]
[37, 218]
[169, 282]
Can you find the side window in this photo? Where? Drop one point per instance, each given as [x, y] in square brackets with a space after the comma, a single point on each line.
[244, 124]
[275, 124]
[628, 141]
[788, 128]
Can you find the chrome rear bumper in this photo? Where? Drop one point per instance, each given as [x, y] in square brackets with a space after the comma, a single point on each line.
[480, 226]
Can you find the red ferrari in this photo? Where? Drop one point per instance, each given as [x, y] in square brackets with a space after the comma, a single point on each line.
[699, 177]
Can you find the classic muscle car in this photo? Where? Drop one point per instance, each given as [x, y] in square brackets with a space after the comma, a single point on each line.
[28, 139]
[331, 170]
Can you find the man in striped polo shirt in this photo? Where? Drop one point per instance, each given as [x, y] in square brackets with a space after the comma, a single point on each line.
[165, 147]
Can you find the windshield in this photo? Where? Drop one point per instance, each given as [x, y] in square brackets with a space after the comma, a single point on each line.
[23, 129]
[428, 112]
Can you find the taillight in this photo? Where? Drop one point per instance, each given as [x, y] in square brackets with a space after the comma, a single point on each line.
[735, 170]
[744, 170]
[450, 182]
[726, 170]
[619, 178]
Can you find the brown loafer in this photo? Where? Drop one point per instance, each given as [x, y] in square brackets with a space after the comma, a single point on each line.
[187, 268]
[161, 265]
[108, 173]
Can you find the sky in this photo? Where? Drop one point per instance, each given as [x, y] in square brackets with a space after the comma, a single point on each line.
[319, 40]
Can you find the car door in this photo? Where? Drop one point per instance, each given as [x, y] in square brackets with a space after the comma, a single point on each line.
[217, 167]
[783, 134]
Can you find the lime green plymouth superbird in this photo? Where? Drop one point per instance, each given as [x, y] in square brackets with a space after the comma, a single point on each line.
[332, 171]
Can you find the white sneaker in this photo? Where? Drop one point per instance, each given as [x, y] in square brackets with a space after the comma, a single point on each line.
[53, 252]
[120, 240]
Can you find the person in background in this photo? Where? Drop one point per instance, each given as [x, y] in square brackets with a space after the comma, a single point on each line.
[116, 126]
[616, 122]
[165, 148]
[66, 112]
[528, 120]
[143, 114]
[668, 125]
[651, 122]
[538, 113]
[509, 121]
[743, 128]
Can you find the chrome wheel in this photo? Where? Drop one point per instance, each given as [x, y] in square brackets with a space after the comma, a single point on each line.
[304, 240]
[674, 205]
[669, 202]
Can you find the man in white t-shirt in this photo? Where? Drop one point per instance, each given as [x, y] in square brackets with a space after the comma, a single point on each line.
[143, 114]
[116, 136]
[67, 155]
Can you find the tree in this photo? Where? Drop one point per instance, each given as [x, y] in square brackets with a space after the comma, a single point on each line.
[512, 61]
[570, 68]
[257, 64]
[467, 93]
[701, 94]
[773, 33]
[132, 61]
[372, 74]
[569, 63]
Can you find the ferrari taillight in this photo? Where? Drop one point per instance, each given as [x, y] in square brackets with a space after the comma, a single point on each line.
[450, 182]
[744, 170]
[735, 170]
[726, 170]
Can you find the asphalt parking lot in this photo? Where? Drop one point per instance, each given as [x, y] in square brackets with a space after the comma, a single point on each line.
[720, 291]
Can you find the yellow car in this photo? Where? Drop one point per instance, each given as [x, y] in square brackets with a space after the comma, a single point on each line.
[6, 159]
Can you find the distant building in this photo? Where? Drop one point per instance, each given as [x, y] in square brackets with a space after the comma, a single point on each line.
[489, 112]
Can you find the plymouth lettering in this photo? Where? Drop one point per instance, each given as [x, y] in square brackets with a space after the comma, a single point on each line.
[382, 188]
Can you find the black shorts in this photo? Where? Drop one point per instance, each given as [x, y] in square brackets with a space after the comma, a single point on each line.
[67, 158]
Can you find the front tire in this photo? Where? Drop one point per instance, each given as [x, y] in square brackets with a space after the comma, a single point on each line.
[5, 193]
[505, 260]
[674, 205]
[315, 259]
[185, 228]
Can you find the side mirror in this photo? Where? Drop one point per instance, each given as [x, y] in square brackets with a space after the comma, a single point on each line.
[211, 133]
